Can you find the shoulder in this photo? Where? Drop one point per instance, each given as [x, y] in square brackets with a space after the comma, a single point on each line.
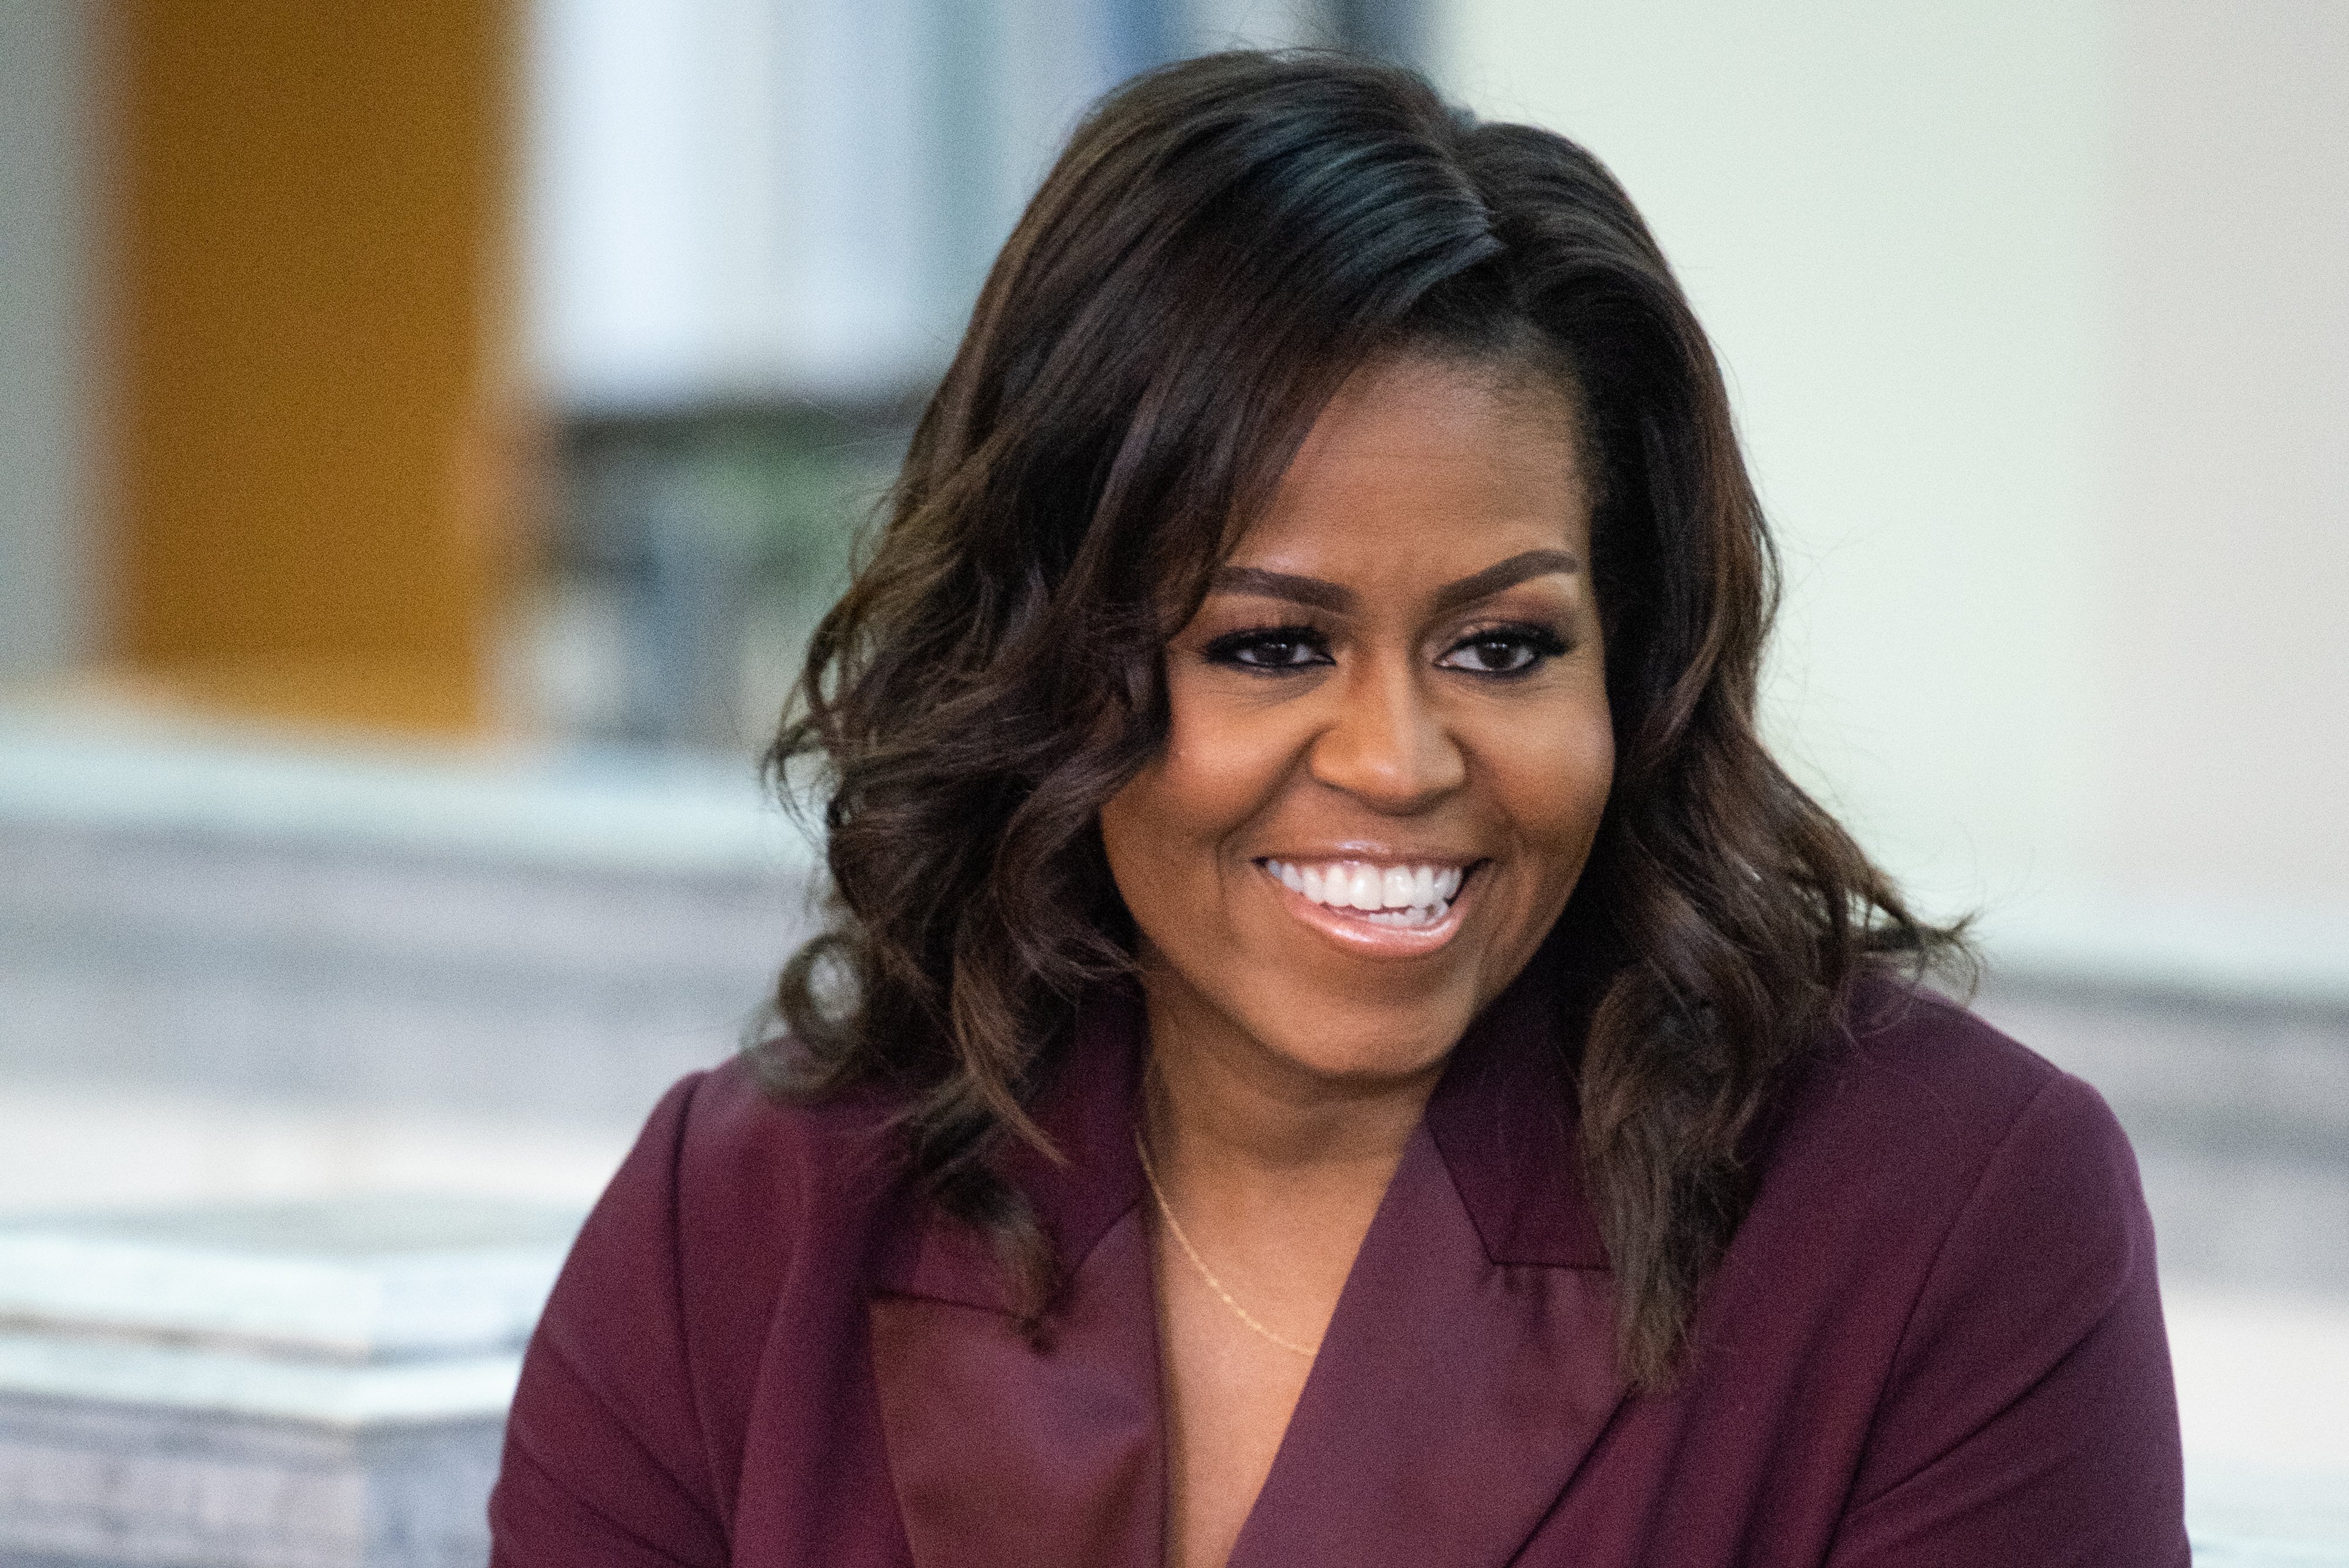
[726, 1192]
[756, 1178]
[1964, 1222]
[631, 1410]
[1915, 1081]
[1950, 1170]
[2040, 1175]
[737, 1142]
[1922, 1146]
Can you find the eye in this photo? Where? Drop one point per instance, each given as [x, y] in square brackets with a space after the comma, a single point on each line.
[1270, 648]
[1502, 651]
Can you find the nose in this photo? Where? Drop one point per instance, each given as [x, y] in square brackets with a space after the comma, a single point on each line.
[1387, 744]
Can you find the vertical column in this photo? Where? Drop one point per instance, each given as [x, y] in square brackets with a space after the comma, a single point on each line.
[313, 441]
[47, 572]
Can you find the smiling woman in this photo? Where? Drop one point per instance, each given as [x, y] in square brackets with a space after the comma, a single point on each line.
[1337, 1042]
[1388, 752]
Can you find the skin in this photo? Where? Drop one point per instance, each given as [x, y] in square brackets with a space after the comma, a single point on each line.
[1440, 699]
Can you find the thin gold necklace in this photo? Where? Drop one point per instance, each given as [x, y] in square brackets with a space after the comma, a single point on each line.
[1166, 1212]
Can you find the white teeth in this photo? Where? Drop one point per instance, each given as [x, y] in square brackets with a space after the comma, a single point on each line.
[1389, 894]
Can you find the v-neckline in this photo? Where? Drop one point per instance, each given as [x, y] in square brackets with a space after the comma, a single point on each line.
[1171, 1259]
[1466, 1369]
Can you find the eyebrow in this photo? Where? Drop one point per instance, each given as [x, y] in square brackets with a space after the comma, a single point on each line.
[1321, 594]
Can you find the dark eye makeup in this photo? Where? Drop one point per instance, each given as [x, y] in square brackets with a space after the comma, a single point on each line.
[1516, 648]
[1503, 650]
[1270, 648]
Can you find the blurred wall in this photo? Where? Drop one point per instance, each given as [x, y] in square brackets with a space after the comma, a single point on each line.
[48, 558]
[724, 200]
[314, 435]
[2224, 538]
[2037, 313]
[738, 201]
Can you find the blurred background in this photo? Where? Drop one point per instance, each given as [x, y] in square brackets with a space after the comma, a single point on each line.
[427, 431]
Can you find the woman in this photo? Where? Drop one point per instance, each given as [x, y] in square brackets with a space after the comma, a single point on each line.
[1338, 1044]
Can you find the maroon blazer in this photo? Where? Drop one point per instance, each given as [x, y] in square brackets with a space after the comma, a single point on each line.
[1935, 1340]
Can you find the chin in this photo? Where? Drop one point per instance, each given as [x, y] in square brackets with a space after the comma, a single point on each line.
[1354, 1041]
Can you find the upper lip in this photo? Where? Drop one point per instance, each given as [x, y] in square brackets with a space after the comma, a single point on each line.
[1374, 855]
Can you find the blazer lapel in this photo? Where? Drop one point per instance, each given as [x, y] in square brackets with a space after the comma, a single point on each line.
[1466, 1373]
[1469, 1365]
[1005, 1454]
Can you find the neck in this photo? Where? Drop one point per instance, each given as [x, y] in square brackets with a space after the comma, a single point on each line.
[1223, 1110]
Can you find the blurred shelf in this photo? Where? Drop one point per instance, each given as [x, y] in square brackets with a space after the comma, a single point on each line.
[130, 768]
[549, 934]
[321, 1384]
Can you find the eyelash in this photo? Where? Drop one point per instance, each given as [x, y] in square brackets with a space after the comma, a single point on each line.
[1229, 649]
[1541, 643]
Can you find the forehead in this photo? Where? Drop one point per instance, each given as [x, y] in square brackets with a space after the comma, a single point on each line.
[1420, 460]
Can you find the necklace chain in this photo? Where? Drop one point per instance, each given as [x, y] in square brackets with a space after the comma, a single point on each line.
[1166, 1212]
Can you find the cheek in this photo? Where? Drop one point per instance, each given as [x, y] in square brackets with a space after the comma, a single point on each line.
[1169, 820]
[1553, 783]
[1165, 832]
[1161, 834]
[1219, 767]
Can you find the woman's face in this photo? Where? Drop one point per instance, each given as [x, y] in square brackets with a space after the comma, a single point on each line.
[1390, 744]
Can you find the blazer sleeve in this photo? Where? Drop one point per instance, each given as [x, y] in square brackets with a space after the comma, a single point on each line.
[605, 1463]
[2030, 1414]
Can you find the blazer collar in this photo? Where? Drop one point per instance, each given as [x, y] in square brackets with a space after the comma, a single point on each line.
[1005, 1452]
[1466, 1373]
[1504, 1118]
[1089, 1114]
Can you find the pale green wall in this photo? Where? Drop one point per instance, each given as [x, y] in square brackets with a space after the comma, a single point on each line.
[2064, 517]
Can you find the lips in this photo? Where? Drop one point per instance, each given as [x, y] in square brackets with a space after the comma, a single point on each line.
[1387, 894]
[1375, 907]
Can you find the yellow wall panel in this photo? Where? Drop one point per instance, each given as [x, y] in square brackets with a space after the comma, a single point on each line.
[313, 435]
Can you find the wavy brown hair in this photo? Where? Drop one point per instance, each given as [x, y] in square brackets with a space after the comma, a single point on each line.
[1222, 240]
